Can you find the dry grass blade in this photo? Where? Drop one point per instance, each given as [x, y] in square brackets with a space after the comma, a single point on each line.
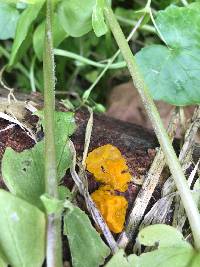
[88, 133]
[96, 215]
[147, 189]
[179, 217]
[162, 207]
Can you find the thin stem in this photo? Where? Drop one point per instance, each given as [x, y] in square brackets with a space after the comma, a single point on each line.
[54, 248]
[146, 28]
[165, 143]
[84, 60]
[110, 61]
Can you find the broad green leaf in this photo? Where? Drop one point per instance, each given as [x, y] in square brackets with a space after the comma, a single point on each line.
[87, 248]
[3, 263]
[98, 22]
[120, 260]
[171, 72]
[38, 38]
[23, 27]
[8, 21]
[195, 260]
[23, 173]
[75, 16]
[65, 127]
[167, 257]
[162, 235]
[22, 232]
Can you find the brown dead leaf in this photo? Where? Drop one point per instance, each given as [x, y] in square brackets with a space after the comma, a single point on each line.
[125, 104]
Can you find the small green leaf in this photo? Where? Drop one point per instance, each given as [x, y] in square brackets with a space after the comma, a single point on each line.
[38, 38]
[172, 72]
[23, 28]
[120, 260]
[75, 16]
[98, 22]
[8, 21]
[87, 248]
[52, 205]
[22, 232]
[64, 192]
[162, 235]
[99, 108]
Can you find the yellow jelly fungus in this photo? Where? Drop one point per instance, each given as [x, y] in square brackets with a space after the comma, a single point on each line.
[109, 167]
[113, 208]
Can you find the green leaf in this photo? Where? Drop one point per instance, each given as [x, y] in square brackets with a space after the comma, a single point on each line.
[64, 192]
[23, 173]
[195, 261]
[3, 263]
[98, 22]
[120, 260]
[171, 72]
[8, 21]
[87, 248]
[65, 127]
[162, 235]
[23, 27]
[51, 204]
[22, 232]
[38, 38]
[75, 16]
[167, 257]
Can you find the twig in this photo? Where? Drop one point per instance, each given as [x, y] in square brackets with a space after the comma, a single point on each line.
[96, 215]
[147, 189]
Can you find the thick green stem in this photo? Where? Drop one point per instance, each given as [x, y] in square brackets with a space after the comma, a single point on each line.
[54, 251]
[165, 143]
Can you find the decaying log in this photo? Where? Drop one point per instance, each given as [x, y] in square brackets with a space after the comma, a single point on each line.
[135, 142]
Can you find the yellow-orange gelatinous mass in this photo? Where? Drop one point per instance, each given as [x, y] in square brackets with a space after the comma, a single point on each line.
[109, 167]
[113, 208]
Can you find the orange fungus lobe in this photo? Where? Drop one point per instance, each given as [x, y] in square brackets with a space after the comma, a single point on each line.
[113, 208]
[109, 167]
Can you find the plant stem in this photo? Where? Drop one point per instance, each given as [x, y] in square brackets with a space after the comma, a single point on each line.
[84, 60]
[53, 250]
[165, 143]
[146, 28]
